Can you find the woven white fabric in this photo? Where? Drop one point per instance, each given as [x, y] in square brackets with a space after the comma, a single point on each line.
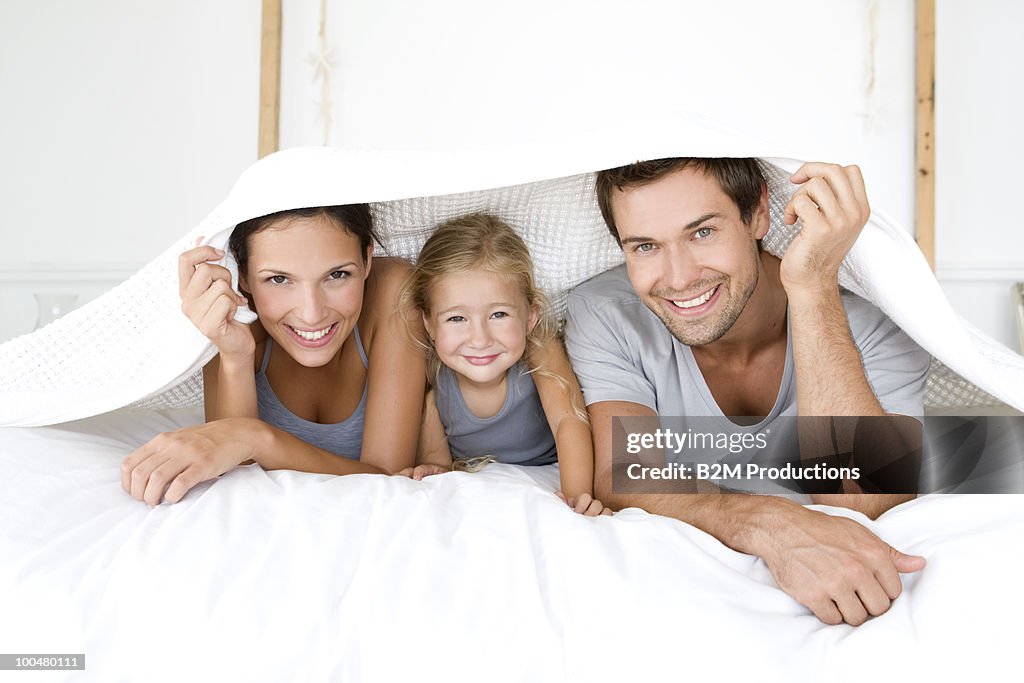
[134, 346]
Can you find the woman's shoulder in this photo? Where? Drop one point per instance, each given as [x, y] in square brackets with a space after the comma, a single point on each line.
[387, 275]
[380, 299]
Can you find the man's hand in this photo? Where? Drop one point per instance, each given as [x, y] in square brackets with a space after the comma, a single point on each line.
[836, 567]
[173, 462]
[833, 205]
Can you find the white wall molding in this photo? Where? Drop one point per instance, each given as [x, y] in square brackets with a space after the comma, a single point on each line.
[979, 272]
[55, 273]
[19, 283]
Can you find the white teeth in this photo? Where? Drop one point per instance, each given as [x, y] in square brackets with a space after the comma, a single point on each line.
[312, 336]
[692, 303]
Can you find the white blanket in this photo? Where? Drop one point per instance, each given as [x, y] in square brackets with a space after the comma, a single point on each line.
[278, 576]
[133, 344]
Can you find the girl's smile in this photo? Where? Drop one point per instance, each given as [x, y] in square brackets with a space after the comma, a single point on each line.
[481, 360]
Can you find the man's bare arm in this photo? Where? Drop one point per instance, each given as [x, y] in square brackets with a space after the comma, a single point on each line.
[833, 566]
[830, 377]
[830, 381]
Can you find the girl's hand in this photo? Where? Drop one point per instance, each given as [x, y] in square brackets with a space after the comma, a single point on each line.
[585, 504]
[421, 471]
[210, 303]
[173, 462]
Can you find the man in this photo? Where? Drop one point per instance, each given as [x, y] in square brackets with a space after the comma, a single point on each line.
[695, 323]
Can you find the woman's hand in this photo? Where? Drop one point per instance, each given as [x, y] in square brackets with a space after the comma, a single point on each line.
[173, 462]
[210, 303]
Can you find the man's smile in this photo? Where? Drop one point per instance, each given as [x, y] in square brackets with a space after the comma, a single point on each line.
[695, 306]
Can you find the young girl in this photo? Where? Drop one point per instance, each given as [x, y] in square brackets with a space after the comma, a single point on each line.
[501, 382]
[326, 380]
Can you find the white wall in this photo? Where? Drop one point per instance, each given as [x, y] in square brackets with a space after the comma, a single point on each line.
[830, 80]
[980, 159]
[123, 124]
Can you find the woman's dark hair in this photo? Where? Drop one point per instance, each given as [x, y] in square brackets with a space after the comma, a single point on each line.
[354, 218]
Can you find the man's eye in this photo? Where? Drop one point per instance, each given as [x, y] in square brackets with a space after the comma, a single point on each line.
[703, 233]
[644, 247]
[278, 279]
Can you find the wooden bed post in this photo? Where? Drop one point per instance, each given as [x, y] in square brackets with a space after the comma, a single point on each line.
[925, 152]
[270, 78]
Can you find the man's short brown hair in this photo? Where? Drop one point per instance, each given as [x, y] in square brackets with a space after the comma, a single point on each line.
[740, 179]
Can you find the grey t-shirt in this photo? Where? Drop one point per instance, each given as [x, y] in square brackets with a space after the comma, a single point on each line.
[621, 351]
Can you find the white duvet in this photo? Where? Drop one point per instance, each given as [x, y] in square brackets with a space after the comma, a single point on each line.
[133, 345]
[285, 576]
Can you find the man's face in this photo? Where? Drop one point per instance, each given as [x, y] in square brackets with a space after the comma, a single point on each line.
[689, 255]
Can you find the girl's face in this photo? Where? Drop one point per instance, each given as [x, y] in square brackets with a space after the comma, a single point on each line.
[306, 277]
[478, 322]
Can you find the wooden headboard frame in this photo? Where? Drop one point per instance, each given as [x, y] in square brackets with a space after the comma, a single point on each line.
[270, 78]
[924, 201]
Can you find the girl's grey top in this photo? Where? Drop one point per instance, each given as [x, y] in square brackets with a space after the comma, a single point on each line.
[342, 438]
[517, 434]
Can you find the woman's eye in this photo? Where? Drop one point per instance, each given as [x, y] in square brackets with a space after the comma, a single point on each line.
[456, 319]
[338, 274]
[278, 279]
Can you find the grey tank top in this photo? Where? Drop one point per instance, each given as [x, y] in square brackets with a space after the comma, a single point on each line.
[342, 438]
[517, 434]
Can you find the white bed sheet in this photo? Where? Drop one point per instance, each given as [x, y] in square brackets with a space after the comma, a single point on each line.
[279, 576]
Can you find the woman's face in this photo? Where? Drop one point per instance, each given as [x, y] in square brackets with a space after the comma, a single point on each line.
[306, 277]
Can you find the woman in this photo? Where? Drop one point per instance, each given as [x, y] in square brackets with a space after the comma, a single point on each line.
[327, 380]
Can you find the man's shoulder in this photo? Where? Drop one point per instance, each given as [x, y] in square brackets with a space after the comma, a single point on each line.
[861, 313]
[876, 333]
[608, 302]
[611, 286]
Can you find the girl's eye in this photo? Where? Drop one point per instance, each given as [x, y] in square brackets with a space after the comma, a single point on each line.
[703, 233]
[278, 279]
[499, 314]
[456, 319]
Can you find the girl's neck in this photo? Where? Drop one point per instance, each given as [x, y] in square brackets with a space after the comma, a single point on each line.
[484, 400]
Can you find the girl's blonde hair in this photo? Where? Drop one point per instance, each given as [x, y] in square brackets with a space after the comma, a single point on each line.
[481, 241]
[477, 241]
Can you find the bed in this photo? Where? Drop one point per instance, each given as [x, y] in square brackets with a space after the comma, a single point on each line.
[274, 576]
[271, 576]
